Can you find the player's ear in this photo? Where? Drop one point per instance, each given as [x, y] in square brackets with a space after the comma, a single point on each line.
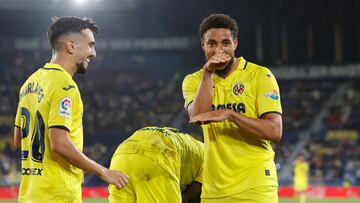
[202, 43]
[70, 46]
[235, 43]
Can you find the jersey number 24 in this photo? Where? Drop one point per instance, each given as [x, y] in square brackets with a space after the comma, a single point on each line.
[37, 145]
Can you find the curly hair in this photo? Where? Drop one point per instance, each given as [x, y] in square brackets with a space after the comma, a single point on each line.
[218, 21]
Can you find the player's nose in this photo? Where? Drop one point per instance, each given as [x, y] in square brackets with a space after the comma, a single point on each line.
[219, 49]
[92, 54]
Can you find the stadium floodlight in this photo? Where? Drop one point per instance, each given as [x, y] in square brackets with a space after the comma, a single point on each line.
[80, 1]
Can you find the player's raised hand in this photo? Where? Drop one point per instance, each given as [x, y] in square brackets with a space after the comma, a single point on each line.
[217, 62]
[117, 178]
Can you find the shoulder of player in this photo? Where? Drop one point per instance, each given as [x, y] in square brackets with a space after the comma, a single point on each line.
[194, 76]
[64, 84]
[256, 67]
[258, 70]
[191, 143]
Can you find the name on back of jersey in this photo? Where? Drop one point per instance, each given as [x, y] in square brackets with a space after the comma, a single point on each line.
[33, 88]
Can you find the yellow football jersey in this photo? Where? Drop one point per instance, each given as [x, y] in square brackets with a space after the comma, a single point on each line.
[49, 98]
[301, 170]
[234, 159]
[179, 154]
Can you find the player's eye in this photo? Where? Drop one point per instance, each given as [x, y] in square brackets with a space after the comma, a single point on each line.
[227, 43]
[91, 44]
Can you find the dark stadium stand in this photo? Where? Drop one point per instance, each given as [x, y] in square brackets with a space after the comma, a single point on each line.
[135, 80]
[118, 102]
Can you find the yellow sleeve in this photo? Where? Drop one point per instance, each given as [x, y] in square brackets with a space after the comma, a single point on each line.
[198, 178]
[199, 164]
[189, 88]
[268, 93]
[62, 103]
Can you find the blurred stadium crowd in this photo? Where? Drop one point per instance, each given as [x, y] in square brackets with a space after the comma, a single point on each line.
[119, 102]
[321, 115]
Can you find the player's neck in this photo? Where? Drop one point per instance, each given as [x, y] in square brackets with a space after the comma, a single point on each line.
[58, 59]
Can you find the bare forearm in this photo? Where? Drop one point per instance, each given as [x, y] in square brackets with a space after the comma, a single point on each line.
[17, 137]
[62, 145]
[203, 99]
[264, 128]
[73, 155]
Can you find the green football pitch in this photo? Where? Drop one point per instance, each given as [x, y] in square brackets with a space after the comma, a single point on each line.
[322, 201]
[281, 201]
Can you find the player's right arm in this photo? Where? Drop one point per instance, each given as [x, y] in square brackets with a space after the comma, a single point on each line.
[17, 129]
[63, 105]
[203, 97]
[204, 94]
[62, 145]
[17, 137]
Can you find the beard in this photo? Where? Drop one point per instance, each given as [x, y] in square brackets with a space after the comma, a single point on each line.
[227, 66]
[80, 68]
[231, 62]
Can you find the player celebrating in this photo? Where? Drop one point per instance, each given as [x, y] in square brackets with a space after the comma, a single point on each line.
[162, 163]
[238, 104]
[48, 124]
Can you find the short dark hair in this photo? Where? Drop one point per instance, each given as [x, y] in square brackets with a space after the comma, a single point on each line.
[218, 21]
[69, 24]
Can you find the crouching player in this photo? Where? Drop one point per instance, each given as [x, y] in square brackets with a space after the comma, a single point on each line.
[164, 165]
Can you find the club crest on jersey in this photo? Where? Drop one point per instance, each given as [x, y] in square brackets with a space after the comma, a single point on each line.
[65, 107]
[238, 89]
[273, 95]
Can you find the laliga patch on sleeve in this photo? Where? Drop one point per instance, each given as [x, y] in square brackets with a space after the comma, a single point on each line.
[65, 107]
[273, 95]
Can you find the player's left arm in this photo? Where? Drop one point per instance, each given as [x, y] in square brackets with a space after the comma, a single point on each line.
[192, 193]
[268, 124]
[268, 127]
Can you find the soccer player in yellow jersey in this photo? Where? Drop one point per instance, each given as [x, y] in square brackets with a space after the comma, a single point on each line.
[301, 173]
[48, 124]
[163, 164]
[238, 106]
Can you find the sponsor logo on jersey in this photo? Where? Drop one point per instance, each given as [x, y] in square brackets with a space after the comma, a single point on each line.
[273, 95]
[238, 107]
[31, 171]
[238, 89]
[65, 107]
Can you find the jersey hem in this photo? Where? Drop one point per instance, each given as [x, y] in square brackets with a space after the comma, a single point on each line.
[236, 193]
